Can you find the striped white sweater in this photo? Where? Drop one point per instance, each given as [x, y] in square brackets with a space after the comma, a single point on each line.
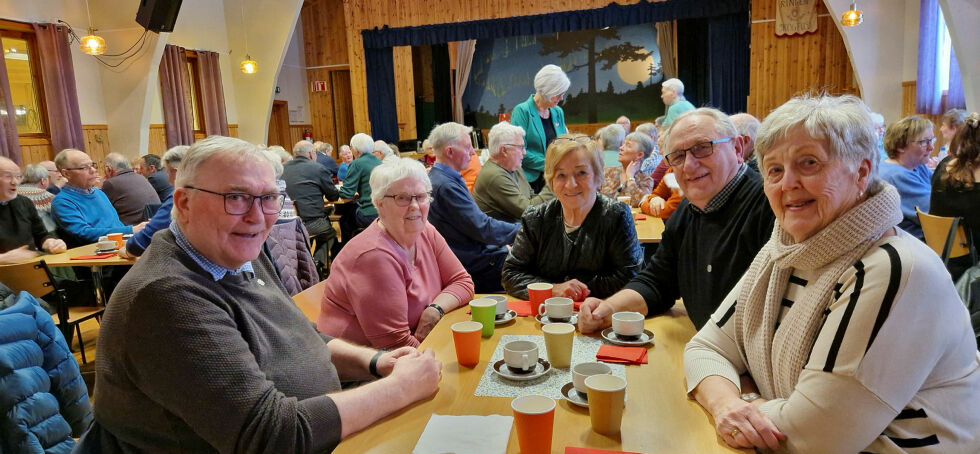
[894, 368]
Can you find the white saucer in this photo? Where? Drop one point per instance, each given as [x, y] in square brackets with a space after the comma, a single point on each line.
[544, 320]
[508, 316]
[106, 251]
[569, 393]
[541, 368]
[645, 338]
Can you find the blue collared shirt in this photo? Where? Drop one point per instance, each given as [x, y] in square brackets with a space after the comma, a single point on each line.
[78, 189]
[216, 271]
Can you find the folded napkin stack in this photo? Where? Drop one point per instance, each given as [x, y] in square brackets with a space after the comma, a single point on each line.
[622, 355]
[469, 434]
[95, 256]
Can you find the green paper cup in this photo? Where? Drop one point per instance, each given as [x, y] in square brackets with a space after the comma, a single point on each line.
[484, 311]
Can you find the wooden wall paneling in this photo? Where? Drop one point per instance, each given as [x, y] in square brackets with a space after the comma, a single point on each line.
[405, 93]
[34, 150]
[97, 142]
[296, 133]
[158, 140]
[278, 133]
[324, 33]
[232, 130]
[343, 110]
[321, 105]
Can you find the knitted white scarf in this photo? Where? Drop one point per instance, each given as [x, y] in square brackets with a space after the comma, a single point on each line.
[776, 359]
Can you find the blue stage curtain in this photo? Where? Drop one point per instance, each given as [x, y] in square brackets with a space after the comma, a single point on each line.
[731, 17]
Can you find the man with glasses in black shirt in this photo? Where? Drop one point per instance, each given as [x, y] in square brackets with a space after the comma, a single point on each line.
[713, 236]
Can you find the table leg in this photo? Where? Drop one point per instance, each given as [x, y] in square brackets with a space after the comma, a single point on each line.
[97, 283]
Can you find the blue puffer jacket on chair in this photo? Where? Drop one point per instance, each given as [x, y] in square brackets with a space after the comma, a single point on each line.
[43, 400]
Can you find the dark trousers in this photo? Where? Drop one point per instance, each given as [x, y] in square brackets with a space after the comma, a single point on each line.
[537, 185]
[486, 272]
[352, 222]
[325, 236]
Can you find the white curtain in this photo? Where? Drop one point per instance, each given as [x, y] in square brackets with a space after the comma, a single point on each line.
[464, 61]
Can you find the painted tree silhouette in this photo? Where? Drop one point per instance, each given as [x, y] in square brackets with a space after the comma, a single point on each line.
[568, 43]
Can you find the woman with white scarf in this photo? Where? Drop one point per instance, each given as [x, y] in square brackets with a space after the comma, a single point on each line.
[846, 333]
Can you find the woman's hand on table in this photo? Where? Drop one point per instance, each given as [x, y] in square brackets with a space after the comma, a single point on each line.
[743, 425]
[418, 375]
[430, 316]
[573, 289]
[386, 363]
[54, 245]
[592, 315]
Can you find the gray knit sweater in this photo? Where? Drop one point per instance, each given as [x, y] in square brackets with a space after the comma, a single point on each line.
[187, 364]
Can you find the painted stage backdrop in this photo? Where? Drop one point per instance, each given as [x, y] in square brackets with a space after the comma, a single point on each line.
[614, 71]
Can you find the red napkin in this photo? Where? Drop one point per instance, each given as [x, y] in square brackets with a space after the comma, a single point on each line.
[523, 308]
[639, 216]
[624, 355]
[574, 450]
[95, 256]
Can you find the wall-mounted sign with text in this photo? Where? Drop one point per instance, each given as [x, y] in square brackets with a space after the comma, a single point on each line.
[319, 85]
[796, 17]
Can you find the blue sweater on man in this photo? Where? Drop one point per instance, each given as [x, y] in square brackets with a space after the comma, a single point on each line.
[83, 215]
[138, 243]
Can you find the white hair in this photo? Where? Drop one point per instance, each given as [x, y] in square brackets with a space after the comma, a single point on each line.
[117, 162]
[303, 148]
[205, 149]
[501, 134]
[675, 85]
[551, 81]
[877, 118]
[746, 124]
[643, 141]
[723, 124]
[843, 121]
[394, 170]
[171, 159]
[34, 173]
[649, 129]
[362, 143]
[611, 136]
[383, 148]
[446, 134]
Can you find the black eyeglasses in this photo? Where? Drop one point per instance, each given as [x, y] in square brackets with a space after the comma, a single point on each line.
[699, 150]
[89, 166]
[240, 203]
[404, 200]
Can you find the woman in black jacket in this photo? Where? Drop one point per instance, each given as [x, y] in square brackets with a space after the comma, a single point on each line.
[582, 242]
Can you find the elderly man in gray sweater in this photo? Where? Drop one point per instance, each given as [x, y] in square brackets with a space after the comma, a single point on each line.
[201, 349]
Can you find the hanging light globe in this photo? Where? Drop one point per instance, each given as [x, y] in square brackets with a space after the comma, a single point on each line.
[249, 66]
[92, 44]
[852, 17]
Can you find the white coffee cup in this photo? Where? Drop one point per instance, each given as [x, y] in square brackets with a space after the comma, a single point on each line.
[107, 245]
[581, 371]
[628, 323]
[521, 355]
[501, 304]
[557, 308]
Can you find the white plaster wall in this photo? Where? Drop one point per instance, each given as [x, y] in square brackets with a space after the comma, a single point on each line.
[963, 20]
[87, 80]
[269, 27]
[292, 79]
[910, 59]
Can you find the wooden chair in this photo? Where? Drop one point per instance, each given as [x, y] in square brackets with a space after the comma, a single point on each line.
[35, 278]
[944, 235]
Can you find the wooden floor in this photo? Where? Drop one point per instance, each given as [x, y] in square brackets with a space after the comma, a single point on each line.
[90, 332]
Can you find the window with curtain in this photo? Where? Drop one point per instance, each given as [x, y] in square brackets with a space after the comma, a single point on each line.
[193, 92]
[939, 86]
[24, 77]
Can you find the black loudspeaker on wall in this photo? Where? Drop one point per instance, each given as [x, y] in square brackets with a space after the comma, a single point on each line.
[158, 15]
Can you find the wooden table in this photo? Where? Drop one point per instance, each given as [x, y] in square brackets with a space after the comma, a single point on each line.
[64, 259]
[649, 230]
[659, 417]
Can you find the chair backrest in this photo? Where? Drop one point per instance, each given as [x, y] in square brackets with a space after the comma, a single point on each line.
[32, 277]
[935, 229]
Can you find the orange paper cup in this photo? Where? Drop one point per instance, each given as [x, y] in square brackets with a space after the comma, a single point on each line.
[117, 237]
[466, 336]
[534, 417]
[537, 293]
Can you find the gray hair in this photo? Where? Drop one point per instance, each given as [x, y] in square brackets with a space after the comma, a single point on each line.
[675, 85]
[383, 148]
[446, 134]
[611, 136]
[275, 155]
[171, 159]
[34, 173]
[321, 147]
[388, 173]
[649, 129]
[303, 148]
[877, 118]
[723, 124]
[746, 124]
[117, 162]
[61, 160]
[501, 134]
[550, 81]
[843, 121]
[344, 147]
[205, 149]
[362, 143]
[642, 140]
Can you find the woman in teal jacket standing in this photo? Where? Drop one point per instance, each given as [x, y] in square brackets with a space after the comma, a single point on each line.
[542, 120]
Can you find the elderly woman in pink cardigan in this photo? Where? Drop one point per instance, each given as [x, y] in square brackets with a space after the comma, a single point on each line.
[394, 281]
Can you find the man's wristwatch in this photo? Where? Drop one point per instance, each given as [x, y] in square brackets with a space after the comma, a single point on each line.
[442, 313]
[749, 397]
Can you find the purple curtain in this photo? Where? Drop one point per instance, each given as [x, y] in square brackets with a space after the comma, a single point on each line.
[60, 92]
[955, 98]
[928, 94]
[173, 87]
[212, 94]
[9, 141]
